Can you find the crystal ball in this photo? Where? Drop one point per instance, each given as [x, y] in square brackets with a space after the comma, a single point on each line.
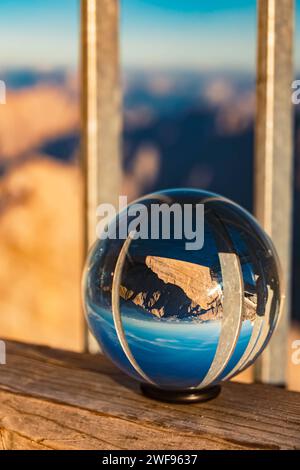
[182, 289]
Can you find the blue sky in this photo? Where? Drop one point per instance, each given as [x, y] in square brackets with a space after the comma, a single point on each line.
[210, 34]
[39, 33]
[188, 34]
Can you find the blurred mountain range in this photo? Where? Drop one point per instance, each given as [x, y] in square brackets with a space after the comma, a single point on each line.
[40, 210]
[180, 129]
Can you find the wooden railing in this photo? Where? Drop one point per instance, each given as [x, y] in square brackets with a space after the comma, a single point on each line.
[101, 105]
[52, 399]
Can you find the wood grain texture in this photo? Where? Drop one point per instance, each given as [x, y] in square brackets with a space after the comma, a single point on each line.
[274, 157]
[51, 399]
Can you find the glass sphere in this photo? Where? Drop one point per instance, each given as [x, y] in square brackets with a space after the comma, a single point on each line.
[180, 312]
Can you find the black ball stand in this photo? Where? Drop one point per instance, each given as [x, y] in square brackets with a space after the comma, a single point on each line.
[181, 396]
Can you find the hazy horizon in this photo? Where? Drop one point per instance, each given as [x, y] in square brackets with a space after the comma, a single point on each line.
[154, 34]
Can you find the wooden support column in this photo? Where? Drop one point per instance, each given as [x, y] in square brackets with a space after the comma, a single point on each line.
[101, 110]
[274, 158]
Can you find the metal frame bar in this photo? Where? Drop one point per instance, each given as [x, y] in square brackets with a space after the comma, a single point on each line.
[116, 311]
[233, 302]
[101, 113]
[273, 161]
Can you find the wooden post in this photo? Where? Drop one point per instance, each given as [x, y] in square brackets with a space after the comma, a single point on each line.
[273, 162]
[101, 110]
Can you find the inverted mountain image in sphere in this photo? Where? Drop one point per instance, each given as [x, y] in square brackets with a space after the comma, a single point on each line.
[172, 301]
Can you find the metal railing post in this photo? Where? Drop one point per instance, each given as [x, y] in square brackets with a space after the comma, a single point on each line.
[101, 111]
[274, 158]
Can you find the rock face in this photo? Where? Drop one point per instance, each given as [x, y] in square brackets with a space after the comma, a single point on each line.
[167, 287]
[196, 281]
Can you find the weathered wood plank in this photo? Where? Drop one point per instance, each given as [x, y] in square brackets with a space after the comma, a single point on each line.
[273, 162]
[60, 400]
[63, 427]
